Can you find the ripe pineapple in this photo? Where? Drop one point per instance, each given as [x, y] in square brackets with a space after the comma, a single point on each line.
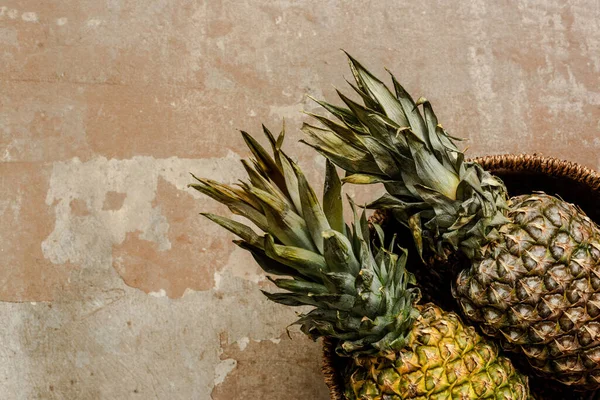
[395, 348]
[532, 277]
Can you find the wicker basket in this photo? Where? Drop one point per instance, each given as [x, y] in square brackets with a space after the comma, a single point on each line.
[522, 174]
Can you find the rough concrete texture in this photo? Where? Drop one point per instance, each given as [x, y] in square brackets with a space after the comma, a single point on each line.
[112, 286]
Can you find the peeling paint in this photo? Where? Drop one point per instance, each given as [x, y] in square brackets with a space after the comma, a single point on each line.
[118, 197]
[30, 16]
[118, 339]
[93, 22]
[25, 220]
[222, 369]
[112, 286]
[263, 368]
[160, 293]
[243, 343]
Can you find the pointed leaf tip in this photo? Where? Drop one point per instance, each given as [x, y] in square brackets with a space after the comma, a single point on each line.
[315, 218]
[332, 198]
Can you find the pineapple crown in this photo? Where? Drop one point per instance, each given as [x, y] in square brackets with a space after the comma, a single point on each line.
[442, 198]
[360, 294]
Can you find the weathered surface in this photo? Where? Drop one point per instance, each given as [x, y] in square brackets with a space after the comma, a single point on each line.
[112, 286]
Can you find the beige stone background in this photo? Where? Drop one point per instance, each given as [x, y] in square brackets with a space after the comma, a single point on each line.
[111, 285]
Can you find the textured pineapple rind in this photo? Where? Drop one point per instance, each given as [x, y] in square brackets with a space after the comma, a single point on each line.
[443, 359]
[538, 289]
[544, 304]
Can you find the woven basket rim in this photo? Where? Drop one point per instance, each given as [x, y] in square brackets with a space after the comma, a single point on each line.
[535, 163]
[541, 164]
[330, 373]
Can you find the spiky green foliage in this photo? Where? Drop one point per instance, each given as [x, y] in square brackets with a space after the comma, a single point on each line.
[387, 139]
[530, 276]
[359, 293]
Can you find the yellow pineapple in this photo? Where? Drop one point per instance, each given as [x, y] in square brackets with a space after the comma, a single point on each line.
[532, 276]
[360, 293]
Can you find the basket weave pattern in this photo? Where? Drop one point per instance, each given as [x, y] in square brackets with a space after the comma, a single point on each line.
[542, 165]
[521, 173]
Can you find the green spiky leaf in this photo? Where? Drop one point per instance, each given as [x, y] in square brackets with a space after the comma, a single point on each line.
[338, 253]
[243, 231]
[315, 218]
[332, 199]
[305, 261]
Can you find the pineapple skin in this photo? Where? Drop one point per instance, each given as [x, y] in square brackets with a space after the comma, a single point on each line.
[532, 273]
[538, 289]
[443, 359]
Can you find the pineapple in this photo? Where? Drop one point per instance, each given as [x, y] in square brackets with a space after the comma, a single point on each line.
[530, 275]
[360, 294]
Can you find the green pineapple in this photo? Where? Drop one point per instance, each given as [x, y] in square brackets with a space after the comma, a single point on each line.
[361, 294]
[532, 273]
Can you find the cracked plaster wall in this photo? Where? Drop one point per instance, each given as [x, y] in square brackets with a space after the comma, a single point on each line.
[111, 286]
